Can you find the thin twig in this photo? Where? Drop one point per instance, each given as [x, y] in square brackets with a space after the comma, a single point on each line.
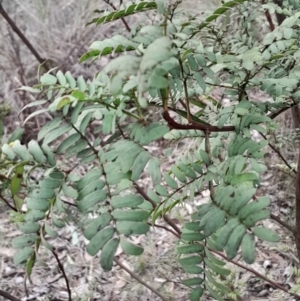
[279, 154]
[147, 198]
[69, 203]
[186, 94]
[144, 195]
[171, 223]
[61, 267]
[8, 204]
[122, 19]
[166, 228]
[136, 277]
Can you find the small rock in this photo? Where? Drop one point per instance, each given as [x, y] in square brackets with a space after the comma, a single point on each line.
[19, 280]
[267, 264]
[263, 293]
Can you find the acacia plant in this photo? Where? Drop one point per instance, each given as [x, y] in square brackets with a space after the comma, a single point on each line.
[171, 65]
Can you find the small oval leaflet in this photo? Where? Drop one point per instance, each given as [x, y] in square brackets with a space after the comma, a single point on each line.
[248, 248]
[99, 240]
[191, 260]
[128, 228]
[34, 215]
[29, 227]
[108, 253]
[266, 234]
[22, 255]
[89, 177]
[24, 241]
[37, 204]
[126, 201]
[91, 200]
[130, 248]
[189, 249]
[96, 225]
[92, 186]
[42, 193]
[130, 215]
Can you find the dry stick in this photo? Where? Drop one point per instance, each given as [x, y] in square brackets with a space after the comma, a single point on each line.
[136, 277]
[22, 37]
[61, 267]
[8, 296]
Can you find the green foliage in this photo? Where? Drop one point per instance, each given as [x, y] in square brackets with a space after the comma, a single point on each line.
[170, 65]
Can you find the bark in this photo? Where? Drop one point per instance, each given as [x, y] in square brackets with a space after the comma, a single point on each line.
[295, 112]
[297, 235]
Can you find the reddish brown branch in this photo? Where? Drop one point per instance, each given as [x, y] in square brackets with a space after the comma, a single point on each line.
[195, 126]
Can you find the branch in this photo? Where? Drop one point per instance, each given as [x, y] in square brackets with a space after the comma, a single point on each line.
[172, 224]
[22, 37]
[167, 229]
[136, 277]
[144, 195]
[283, 223]
[8, 296]
[195, 126]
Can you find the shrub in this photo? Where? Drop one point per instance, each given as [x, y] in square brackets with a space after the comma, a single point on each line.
[172, 65]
